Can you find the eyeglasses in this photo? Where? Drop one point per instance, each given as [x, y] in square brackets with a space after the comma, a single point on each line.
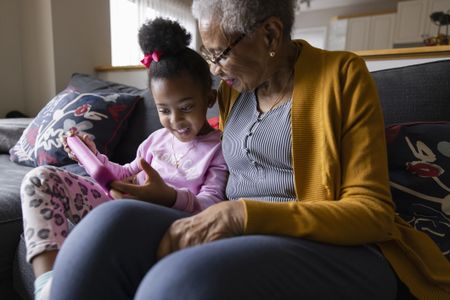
[215, 59]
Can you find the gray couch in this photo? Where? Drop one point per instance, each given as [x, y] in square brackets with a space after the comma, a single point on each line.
[413, 93]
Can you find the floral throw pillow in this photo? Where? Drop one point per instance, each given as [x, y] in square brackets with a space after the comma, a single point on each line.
[419, 171]
[102, 116]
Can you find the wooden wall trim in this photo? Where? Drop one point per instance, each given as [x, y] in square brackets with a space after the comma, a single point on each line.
[101, 69]
[406, 53]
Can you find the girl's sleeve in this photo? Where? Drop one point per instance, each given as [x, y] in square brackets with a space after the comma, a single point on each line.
[212, 190]
[123, 171]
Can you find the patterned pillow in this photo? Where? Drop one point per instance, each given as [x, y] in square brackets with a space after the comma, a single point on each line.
[419, 170]
[102, 116]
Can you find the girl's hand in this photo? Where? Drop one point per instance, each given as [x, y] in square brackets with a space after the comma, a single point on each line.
[219, 221]
[115, 194]
[154, 190]
[85, 138]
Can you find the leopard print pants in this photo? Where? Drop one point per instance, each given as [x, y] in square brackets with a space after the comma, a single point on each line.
[50, 197]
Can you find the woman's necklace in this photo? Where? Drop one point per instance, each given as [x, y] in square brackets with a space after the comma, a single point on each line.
[280, 97]
[285, 88]
[174, 154]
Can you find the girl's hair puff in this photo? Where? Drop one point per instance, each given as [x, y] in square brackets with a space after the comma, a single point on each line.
[172, 40]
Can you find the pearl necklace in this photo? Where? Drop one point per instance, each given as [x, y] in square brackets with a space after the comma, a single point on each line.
[174, 154]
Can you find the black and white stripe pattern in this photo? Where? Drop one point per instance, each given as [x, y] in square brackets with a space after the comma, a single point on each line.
[257, 150]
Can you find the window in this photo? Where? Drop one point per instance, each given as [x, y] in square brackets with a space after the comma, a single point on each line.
[127, 16]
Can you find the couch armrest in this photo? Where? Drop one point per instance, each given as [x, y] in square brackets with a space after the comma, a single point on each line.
[10, 131]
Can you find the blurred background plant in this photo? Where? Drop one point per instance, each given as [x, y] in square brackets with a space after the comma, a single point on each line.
[440, 19]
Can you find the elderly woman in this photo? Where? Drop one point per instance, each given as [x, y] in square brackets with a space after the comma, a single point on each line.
[310, 214]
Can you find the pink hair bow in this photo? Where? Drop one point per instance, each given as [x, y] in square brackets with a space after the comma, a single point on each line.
[152, 56]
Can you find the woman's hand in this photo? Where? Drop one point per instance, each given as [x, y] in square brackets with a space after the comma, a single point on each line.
[154, 189]
[85, 138]
[222, 220]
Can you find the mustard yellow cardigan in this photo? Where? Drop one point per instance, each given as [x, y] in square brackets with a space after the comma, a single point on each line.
[340, 172]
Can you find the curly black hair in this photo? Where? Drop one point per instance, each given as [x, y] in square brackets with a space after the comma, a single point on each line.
[172, 40]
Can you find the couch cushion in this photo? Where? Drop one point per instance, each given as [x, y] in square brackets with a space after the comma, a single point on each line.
[11, 176]
[23, 276]
[85, 83]
[103, 116]
[415, 93]
[10, 132]
[419, 170]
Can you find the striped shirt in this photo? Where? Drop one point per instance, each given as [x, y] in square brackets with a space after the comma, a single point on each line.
[257, 149]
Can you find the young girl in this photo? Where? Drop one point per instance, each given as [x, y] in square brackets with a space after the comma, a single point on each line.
[180, 165]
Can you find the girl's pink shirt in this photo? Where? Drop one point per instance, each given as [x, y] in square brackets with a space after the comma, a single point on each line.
[201, 176]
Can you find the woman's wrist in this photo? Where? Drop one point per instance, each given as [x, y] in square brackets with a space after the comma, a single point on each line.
[243, 216]
[236, 212]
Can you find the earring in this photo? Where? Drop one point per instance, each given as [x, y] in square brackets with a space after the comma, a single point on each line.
[272, 53]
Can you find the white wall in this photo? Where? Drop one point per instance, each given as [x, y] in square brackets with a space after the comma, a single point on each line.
[320, 18]
[10, 58]
[82, 38]
[37, 56]
[43, 43]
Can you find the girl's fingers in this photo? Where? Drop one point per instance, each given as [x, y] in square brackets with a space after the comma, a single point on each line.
[72, 157]
[90, 143]
[127, 188]
[152, 175]
[115, 194]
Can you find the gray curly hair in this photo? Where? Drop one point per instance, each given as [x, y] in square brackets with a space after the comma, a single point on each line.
[240, 16]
